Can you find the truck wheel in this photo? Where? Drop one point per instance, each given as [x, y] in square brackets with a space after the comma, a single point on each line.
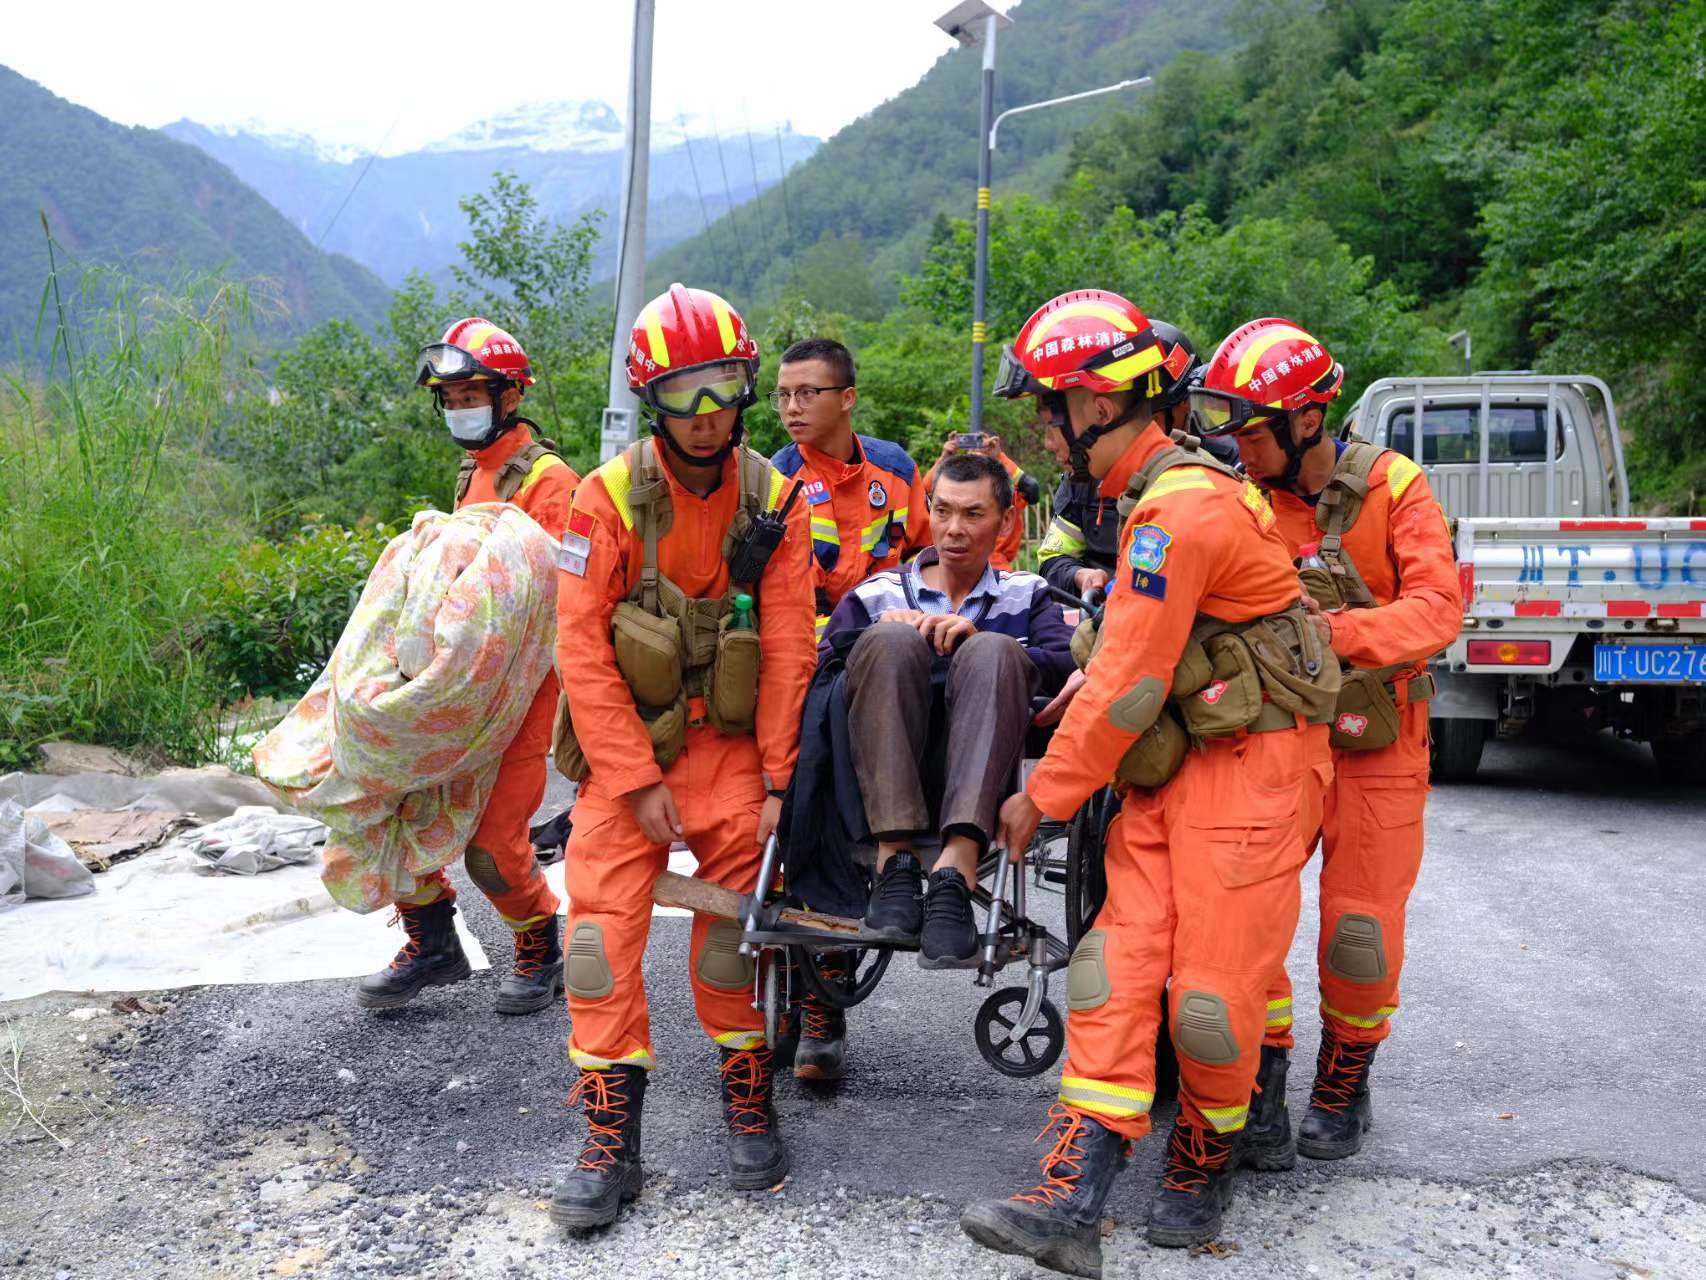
[1455, 748]
[1681, 758]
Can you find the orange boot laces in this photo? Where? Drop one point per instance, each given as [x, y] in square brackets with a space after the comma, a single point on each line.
[601, 1092]
[747, 1077]
[413, 927]
[532, 948]
[1192, 1155]
[1340, 1071]
[1061, 1165]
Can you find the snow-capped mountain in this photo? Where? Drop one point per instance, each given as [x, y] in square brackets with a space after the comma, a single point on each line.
[399, 213]
[541, 126]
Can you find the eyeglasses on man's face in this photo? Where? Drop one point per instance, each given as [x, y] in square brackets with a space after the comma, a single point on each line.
[802, 396]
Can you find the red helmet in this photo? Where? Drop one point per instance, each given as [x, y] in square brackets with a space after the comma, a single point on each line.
[472, 350]
[1261, 370]
[690, 347]
[1090, 338]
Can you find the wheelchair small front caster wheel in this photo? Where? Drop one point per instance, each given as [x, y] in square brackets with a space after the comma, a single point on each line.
[1032, 1053]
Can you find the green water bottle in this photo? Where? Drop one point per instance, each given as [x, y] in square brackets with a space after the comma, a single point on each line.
[742, 620]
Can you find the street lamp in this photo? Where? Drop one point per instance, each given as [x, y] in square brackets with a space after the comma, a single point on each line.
[974, 23]
[1461, 339]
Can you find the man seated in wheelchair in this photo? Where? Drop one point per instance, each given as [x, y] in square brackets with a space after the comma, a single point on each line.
[948, 653]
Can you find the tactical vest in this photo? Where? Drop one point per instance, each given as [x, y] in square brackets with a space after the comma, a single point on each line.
[672, 647]
[519, 472]
[1232, 677]
[1366, 715]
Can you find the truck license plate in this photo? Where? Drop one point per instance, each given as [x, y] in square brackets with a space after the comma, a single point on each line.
[1649, 663]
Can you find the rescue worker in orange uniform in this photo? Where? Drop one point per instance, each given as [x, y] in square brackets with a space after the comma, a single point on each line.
[1385, 587]
[1202, 861]
[867, 500]
[1026, 490]
[685, 643]
[476, 373]
[868, 512]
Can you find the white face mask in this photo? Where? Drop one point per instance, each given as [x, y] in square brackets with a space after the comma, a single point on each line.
[469, 427]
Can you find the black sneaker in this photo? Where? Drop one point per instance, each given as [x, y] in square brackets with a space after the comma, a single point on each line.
[949, 934]
[896, 910]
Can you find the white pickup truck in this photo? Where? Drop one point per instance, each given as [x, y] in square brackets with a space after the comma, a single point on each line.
[1577, 616]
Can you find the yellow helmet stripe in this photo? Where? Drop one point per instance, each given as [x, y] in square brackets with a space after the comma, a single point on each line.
[725, 325]
[653, 320]
[1259, 348]
[1096, 310]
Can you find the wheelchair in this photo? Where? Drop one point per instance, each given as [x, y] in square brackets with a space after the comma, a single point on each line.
[1018, 1029]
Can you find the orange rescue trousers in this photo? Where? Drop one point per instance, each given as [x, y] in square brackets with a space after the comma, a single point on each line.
[1202, 885]
[610, 866]
[500, 855]
[1371, 851]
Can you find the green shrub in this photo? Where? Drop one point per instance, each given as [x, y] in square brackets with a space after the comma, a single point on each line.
[114, 518]
[278, 609]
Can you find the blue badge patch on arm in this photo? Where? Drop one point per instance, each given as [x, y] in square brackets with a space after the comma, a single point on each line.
[1147, 555]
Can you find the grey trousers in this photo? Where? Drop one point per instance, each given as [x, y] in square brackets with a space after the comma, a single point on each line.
[911, 746]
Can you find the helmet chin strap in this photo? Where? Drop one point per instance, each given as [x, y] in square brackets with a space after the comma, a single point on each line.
[693, 459]
[1078, 443]
[1295, 452]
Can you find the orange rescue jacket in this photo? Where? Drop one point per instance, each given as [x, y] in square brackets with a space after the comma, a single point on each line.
[1200, 542]
[545, 493]
[592, 583]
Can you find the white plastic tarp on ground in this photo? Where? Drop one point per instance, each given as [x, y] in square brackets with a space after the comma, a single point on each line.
[162, 921]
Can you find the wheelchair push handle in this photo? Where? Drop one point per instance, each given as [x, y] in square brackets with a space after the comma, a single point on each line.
[1090, 604]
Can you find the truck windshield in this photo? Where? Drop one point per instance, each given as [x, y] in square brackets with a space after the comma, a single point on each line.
[1515, 433]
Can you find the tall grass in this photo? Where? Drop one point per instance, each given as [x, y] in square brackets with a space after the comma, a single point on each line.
[115, 519]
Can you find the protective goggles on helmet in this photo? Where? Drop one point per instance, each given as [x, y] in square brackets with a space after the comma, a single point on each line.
[445, 362]
[1013, 380]
[1216, 413]
[703, 389]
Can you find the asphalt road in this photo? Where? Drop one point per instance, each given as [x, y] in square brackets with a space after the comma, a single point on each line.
[1546, 1059]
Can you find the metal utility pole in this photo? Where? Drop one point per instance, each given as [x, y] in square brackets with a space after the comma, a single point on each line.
[621, 414]
[975, 23]
[1462, 339]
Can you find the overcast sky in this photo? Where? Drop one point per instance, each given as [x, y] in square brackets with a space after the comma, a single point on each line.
[393, 76]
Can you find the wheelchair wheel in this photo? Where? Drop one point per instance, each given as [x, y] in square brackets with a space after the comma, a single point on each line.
[1031, 1055]
[863, 970]
[1086, 873]
[770, 995]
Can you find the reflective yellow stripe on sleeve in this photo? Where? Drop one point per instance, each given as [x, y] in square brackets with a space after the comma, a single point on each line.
[540, 466]
[1279, 1013]
[617, 482]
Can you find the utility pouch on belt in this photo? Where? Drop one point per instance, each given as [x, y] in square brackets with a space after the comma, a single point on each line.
[1231, 698]
[565, 747]
[731, 695]
[1156, 755]
[1322, 588]
[1366, 716]
[668, 729]
[1299, 673]
[648, 653]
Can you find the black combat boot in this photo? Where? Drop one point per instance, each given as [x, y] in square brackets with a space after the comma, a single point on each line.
[1266, 1142]
[1340, 1110]
[896, 908]
[537, 978]
[1058, 1225]
[822, 1050]
[758, 1159]
[431, 957]
[607, 1173]
[1196, 1186]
